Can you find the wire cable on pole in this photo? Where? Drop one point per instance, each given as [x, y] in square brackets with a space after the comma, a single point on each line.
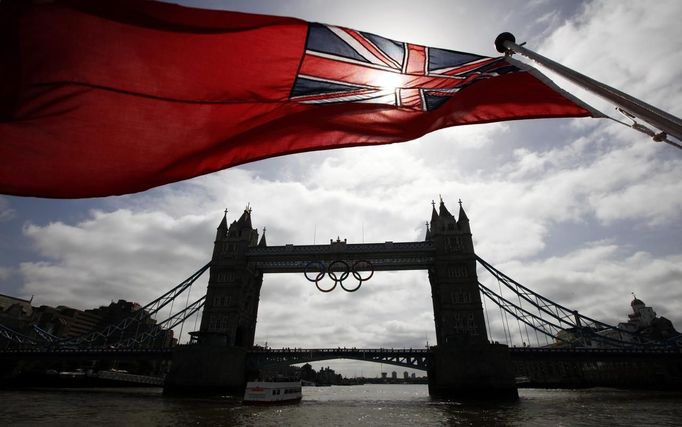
[667, 123]
[505, 320]
[487, 321]
[658, 137]
[182, 325]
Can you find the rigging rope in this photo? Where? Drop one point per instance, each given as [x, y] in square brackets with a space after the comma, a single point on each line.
[487, 321]
[658, 137]
[527, 340]
[182, 325]
[505, 320]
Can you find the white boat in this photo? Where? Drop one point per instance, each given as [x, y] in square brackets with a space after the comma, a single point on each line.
[272, 392]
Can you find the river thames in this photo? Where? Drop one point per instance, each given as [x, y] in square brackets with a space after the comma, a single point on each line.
[365, 405]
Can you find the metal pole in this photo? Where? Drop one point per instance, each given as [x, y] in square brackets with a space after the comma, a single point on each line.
[505, 43]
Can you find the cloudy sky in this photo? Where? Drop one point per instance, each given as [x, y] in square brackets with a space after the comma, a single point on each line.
[584, 211]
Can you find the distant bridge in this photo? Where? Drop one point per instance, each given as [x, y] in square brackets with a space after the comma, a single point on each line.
[408, 358]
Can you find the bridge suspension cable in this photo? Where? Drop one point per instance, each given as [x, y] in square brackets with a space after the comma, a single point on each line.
[584, 328]
[116, 331]
[534, 321]
[145, 312]
[12, 336]
[44, 335]
[165, 325]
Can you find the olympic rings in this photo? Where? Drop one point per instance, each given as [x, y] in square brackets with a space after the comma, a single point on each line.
[338, 271]
[321, 272]
[363, 265]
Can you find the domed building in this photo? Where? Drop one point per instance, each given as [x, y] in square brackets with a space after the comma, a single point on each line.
[644, 322]
[640, 318]
[643, 325]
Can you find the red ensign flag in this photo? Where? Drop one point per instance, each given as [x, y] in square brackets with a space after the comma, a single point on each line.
[102, 98]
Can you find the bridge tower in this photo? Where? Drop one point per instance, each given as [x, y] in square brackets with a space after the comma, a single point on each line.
[217, 364]
[231, 309]
[464, 363]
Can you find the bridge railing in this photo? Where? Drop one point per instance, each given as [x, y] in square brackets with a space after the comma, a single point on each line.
[338, 350]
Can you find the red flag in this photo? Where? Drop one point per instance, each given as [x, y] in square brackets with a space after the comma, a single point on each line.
[113, 98]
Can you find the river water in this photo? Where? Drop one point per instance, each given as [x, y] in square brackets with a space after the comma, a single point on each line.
[366, 405]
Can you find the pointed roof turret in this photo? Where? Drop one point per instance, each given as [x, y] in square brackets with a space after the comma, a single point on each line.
[223, 223]
[434, 214]
[463, 219]
[462, 215]
[262, 242]
[428, 233]
[221, 232]
[443, 211]
[245, 220]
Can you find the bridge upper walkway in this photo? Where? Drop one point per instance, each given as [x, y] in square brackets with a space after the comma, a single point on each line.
[382, 256]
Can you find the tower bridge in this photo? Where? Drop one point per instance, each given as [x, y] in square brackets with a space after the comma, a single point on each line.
[462, 364]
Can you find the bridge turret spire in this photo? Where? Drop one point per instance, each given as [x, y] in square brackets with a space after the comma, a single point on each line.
[443, 211]
[262, 242]
[245, 220]
[220, 236]
[428, 232]
[222, 228]
[462, 219]
[434, 214]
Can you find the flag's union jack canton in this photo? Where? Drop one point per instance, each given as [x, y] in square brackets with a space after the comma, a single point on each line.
[343, 65]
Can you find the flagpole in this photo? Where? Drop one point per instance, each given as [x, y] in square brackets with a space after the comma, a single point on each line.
[671, 125]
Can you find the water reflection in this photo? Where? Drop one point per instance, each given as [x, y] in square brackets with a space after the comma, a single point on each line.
[408, 405]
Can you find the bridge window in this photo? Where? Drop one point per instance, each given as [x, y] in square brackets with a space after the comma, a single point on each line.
[460, 297]
[463, 324]
[228, 247]
[213, 323]
[225, 276]
[221, 301]
[457, 271]
[217, 323]
[455, 242]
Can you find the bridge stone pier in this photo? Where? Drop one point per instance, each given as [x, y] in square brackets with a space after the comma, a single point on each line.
[463, 363]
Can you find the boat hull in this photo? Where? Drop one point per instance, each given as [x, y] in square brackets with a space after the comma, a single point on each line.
[272, 392]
